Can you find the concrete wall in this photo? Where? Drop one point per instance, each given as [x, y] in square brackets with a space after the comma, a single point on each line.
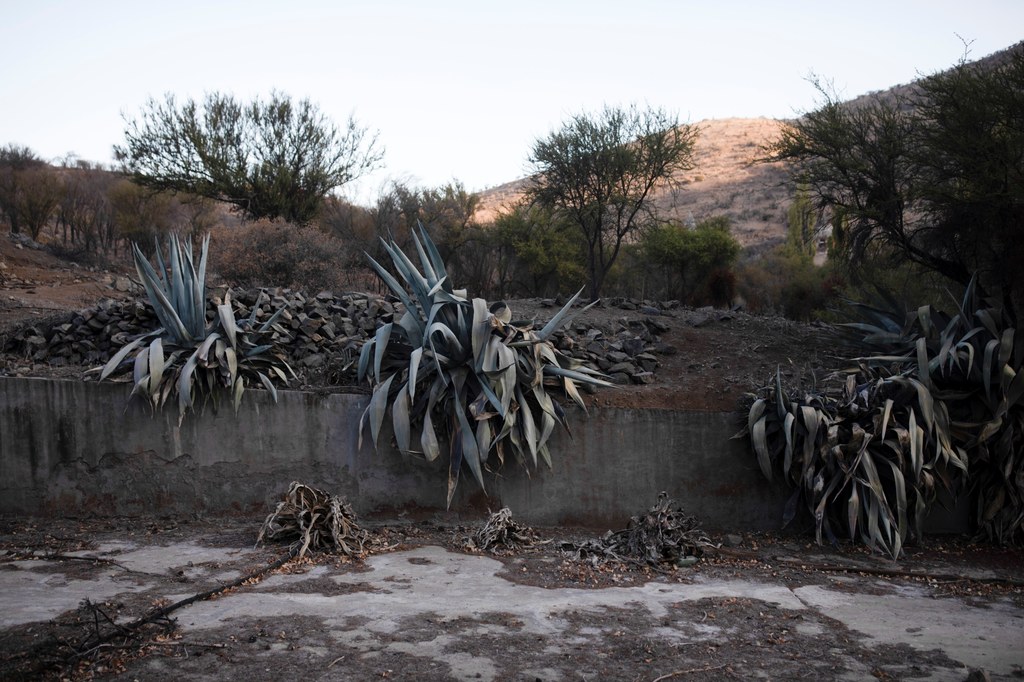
[71, 447]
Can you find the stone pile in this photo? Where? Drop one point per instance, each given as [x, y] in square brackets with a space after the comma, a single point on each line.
[321, 335]
[627, 353]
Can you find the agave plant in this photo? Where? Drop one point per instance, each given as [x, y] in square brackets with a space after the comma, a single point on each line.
[939, 402]
[972, 363]
[459, 371]
[189, 357]
[865, 460]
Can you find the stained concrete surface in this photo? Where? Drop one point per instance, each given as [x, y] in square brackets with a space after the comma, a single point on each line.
[438, 608]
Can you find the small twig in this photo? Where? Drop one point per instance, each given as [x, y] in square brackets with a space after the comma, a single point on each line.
[201, 645]
[339, 658]
[689, 671]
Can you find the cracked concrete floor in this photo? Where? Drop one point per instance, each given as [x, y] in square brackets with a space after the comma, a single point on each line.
[429, 613]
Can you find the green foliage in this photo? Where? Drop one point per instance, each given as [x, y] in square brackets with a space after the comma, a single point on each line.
[138, 215]
[693, 261]
[539, 254]
[789, 283]
[801, 235]
[270, 159]
[936, 177]
[187, 357]
[598, 172]
[458, 370]
[939, 401]
[447, 211]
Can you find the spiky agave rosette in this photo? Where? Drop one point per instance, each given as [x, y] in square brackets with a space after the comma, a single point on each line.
[938, 405]
[187, 356]
[459, 371]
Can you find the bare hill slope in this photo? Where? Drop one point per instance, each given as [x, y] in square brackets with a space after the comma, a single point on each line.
[726, 181]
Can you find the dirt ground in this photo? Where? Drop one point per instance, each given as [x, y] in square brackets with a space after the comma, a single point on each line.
[715, 358]
[593, 629]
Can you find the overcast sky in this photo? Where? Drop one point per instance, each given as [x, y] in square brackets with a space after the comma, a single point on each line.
[460, 89]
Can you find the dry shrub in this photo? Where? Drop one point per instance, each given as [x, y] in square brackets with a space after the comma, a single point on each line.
[663, 536]
[500, 531]
[313, 519]
[276, 254]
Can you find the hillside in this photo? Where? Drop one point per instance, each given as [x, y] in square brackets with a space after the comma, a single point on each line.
[726, 181]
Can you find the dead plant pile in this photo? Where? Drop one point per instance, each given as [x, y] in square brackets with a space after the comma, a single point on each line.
[310, 518]
[663, 536]
[501, 532]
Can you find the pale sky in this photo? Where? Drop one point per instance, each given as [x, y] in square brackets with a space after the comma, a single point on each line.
[459, 89]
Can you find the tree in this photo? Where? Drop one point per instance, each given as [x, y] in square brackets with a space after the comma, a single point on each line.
[15, 160]
[802, 232]
[695, 260]
[598, 171]
[934, 177]
[137, 215]
[84, 213]
[536, 254]
[39, 193]
[269, 159]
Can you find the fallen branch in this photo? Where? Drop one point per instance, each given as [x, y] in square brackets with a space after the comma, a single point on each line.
[67, 557]
[60, 653]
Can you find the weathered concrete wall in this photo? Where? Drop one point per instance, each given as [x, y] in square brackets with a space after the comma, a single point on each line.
[72, 447]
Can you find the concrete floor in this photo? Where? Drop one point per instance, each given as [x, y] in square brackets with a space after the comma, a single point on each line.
[362, 613]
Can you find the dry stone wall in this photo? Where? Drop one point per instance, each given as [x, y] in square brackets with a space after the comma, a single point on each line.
[322, 334]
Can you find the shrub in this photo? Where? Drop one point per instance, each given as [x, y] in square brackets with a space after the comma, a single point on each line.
[458, 370]
[693, 264]
[279, 254]
[786, 283]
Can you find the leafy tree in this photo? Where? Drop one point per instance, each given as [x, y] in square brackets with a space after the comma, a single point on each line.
[446, 211]
[137, 215]
[269, 159]
[598, 172]
[537, 253]
[693, 259]
[935, 177]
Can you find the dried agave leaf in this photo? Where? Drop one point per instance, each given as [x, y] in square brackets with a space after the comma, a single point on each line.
[663, 536]
[501, 532]
[313, 519]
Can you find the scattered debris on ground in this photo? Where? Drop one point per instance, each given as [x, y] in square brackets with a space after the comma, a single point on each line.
[92, 640]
